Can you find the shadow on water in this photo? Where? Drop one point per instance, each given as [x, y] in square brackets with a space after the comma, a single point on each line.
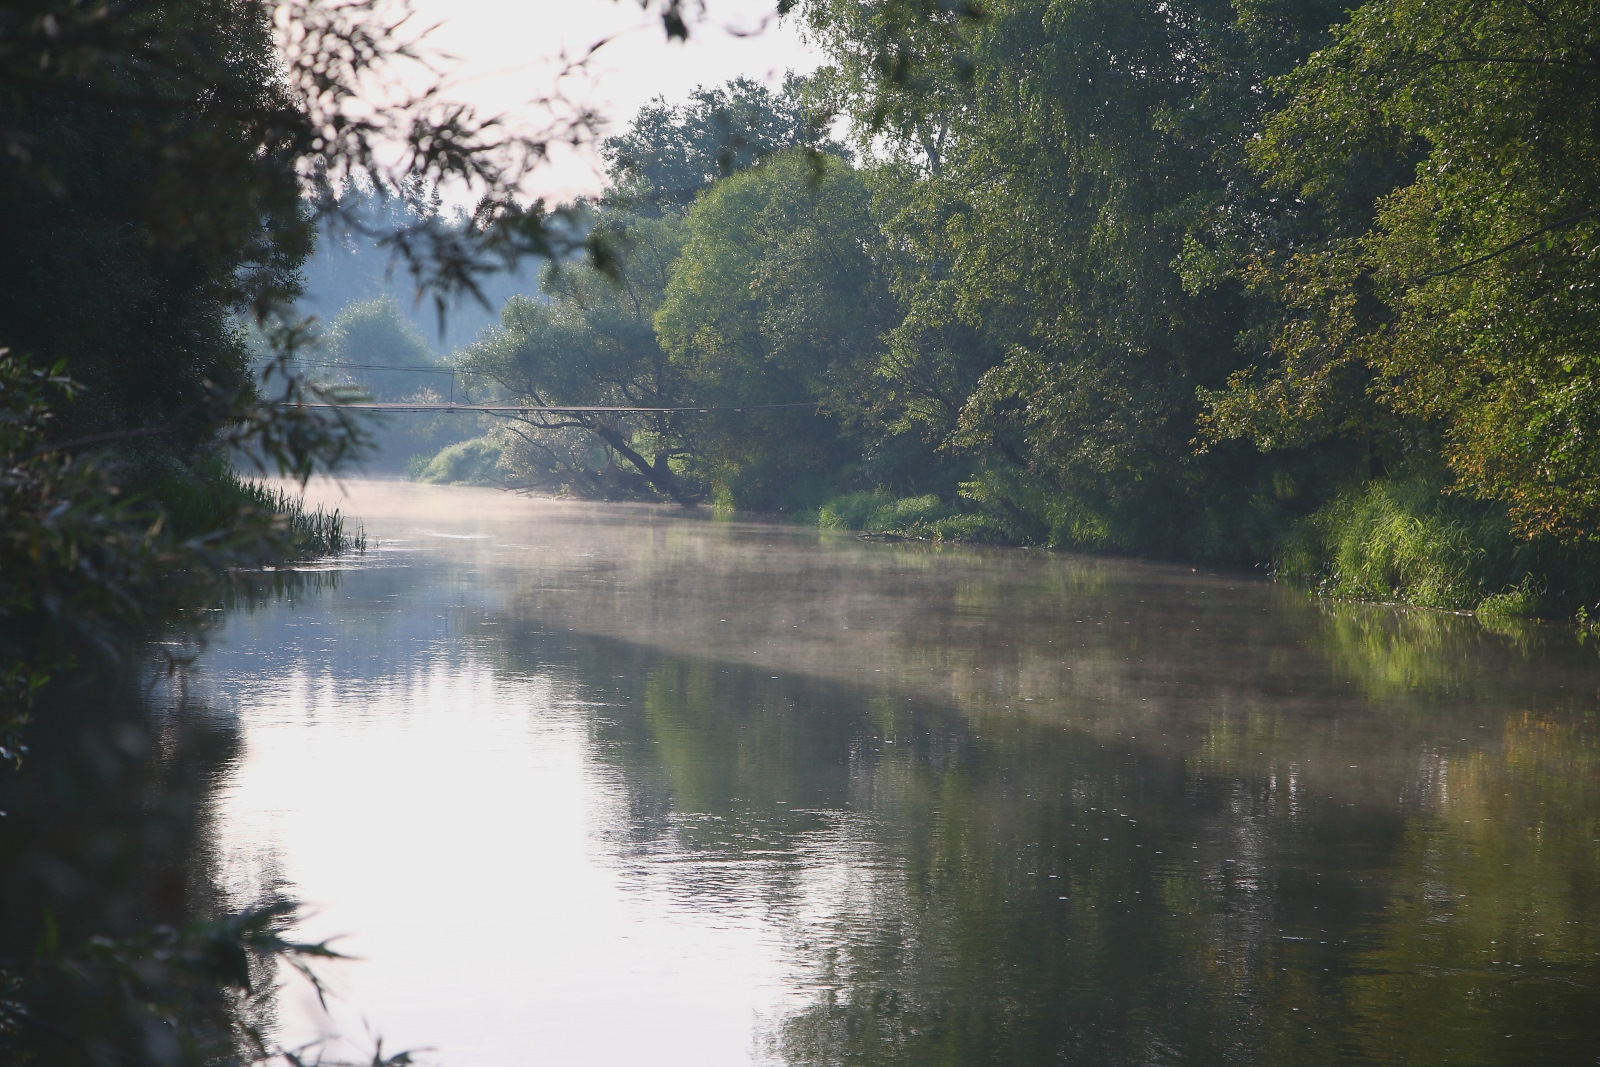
[118, 945]
[106, 840]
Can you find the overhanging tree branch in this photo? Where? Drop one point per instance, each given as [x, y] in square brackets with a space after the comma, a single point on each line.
[1570, 220]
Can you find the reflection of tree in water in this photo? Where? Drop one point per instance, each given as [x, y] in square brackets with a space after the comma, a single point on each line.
[1491, 925]
[1439, 654]
[1221, 903]
[107, 835]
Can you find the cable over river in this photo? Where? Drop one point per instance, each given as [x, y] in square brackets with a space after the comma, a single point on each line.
[620, 785]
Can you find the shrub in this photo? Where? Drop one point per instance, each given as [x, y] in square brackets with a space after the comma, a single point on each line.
[208, 498]
[474, 462]
[852, 511]
[1521, 602]
[1408, 540]
[877, 511]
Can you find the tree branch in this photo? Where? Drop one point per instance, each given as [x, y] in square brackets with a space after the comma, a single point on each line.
[1503, 249]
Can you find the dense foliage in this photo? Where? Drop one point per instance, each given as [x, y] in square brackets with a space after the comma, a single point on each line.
[1466, 288]
[1215, 280]
[745, 299]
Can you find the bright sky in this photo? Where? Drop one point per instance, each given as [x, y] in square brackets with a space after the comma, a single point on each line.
[508, 54]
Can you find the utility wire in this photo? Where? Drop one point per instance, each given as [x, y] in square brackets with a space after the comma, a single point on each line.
[376, 366]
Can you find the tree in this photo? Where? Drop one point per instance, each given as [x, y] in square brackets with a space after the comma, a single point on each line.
[593, 344]
[778, 298]
[374, 334]
[1056, 161]
[1464, 285]
[596, 342]
[671, 153]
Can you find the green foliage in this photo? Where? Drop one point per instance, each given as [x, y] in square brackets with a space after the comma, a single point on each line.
[474, 462]
[670, 154]
[853, 511]
[208, 499]
[97, 552]
[1053, 169]
[1256, 282]
[368, 336]
[764, 293]
[1458, 275]
[1170, 279]
[924, 517]
[1520, 602]
[592, 345]
[1405, 540]
[123, 994]
[595, 342]
[136, 217]
[375, 333]
[776, 299]
[70, 551]
[878, 512]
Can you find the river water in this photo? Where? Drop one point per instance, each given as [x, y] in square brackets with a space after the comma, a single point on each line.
[610, 785]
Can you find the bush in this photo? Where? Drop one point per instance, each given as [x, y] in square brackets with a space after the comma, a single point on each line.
[852, 511]
[876, 511]
[474, 462]
[1522, 602]
[209, 498]
[1408, 540]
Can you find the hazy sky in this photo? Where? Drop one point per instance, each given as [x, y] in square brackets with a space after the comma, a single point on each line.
[508, 53]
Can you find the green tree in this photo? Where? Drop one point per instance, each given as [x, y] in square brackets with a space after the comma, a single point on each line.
[164, 166]
[593, 344]
[375, 334]
[1460, 294]
[140, 214]
[671, 153]
[778, 298]
[1057, 160]
[596, 341]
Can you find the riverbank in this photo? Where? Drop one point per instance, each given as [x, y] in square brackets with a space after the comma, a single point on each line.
[1398, 541]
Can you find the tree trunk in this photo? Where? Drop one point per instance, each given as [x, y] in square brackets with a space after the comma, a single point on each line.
[659, 476]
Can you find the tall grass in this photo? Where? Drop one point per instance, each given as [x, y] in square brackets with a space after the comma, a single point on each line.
[210, 499]
[1407, 540]
[310, 534]
[879, 512]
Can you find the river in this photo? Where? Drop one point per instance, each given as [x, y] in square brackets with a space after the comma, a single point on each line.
[613, 785]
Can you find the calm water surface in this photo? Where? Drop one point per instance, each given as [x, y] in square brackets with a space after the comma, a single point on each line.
[591, 785]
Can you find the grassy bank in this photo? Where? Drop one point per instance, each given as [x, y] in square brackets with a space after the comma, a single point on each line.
[1400, 540]
[209, 499]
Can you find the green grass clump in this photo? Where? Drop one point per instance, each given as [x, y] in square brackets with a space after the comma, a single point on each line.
[1407, 540]
[1401, 541]
[208, 499]
[474, 462]
[1520, 602]
[980, 529]
[318, 532]
[878, 512]
[852, 511]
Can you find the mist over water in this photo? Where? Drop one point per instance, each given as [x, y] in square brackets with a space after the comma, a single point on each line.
[590, 784]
